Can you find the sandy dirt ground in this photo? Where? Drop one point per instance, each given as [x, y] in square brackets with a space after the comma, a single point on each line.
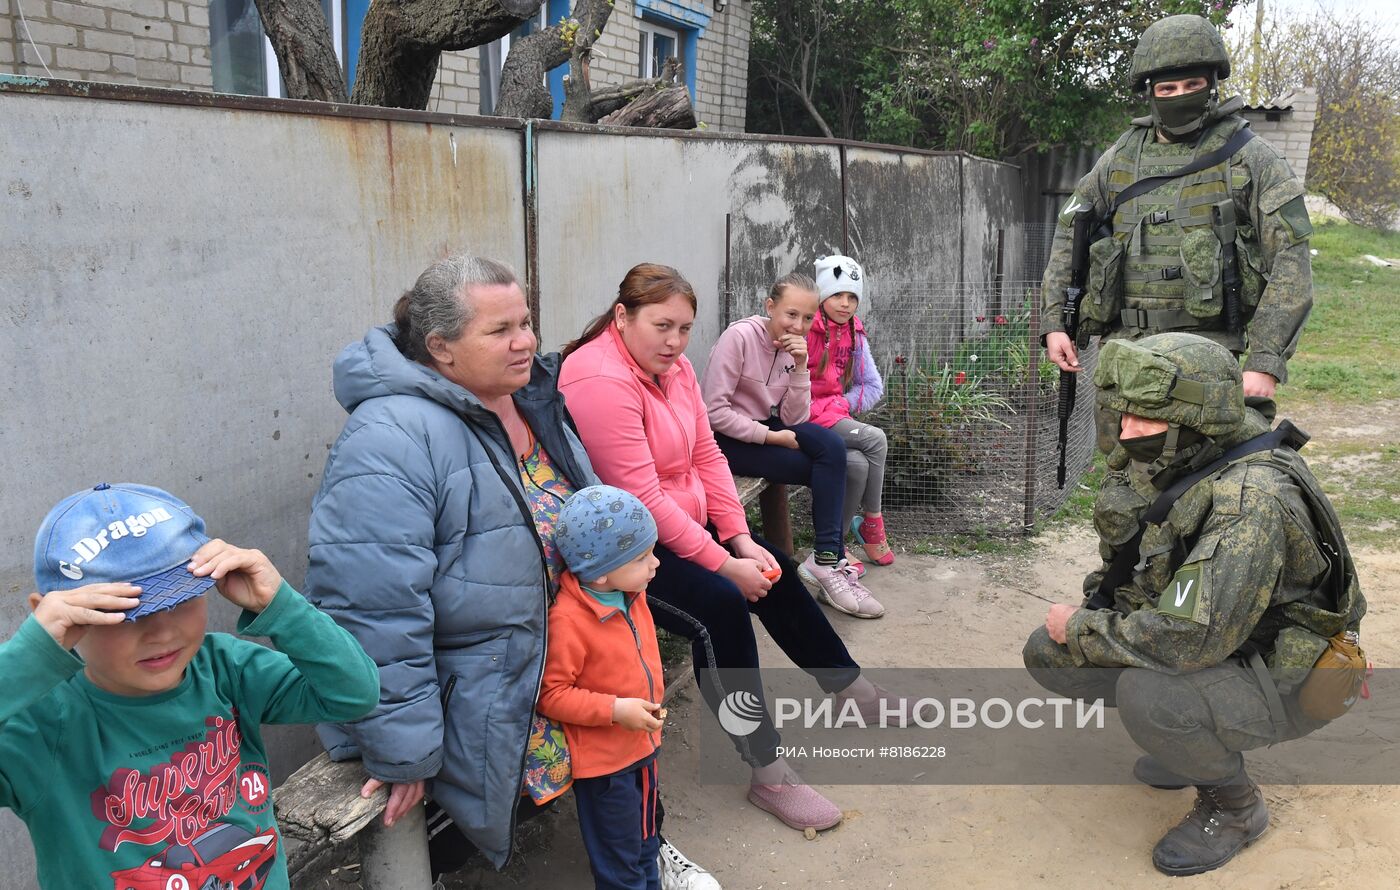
[992, 836]
[976, 612]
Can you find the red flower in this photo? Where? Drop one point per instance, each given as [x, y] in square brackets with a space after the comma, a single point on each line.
[981, 318]
[960, 377]
[1000, 319]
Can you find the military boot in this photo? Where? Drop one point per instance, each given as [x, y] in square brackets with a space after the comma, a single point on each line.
[1224, 820]
[1152, 772]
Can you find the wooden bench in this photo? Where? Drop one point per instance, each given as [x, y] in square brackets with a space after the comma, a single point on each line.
[319, 806]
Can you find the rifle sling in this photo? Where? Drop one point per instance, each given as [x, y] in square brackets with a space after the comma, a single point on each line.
[1148, 183]
[1120, 571]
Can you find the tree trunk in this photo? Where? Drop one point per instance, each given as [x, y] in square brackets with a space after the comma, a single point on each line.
[403, 39]
[668, 107]
[301, 37]
[523, 91]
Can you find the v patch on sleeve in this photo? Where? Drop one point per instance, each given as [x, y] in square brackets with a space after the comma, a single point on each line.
[1182, 597]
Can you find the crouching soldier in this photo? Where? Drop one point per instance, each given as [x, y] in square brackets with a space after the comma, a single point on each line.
[1225, 582]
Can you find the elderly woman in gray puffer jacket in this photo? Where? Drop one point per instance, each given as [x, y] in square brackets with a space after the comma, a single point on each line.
[432, 543]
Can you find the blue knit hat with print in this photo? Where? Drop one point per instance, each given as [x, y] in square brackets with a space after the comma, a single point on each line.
[601, 528]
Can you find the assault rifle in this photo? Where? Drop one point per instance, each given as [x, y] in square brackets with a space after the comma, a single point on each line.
[1069, 317]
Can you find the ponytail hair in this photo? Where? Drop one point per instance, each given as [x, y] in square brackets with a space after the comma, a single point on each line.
[646, 284]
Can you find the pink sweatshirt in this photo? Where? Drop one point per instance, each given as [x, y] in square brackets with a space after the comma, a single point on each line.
[653, 439]
[746, 378]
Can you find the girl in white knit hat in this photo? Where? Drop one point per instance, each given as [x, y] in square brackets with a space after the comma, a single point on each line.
[845, 382]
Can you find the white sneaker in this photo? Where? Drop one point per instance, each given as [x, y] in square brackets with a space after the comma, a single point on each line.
[838, 586]
[679, 873]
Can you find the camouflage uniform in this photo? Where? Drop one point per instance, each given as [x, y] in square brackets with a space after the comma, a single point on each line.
[1161, 268]
[1239, 560]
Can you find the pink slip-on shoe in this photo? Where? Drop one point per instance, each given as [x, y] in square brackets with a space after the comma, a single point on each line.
[870, 531]
[797, 805]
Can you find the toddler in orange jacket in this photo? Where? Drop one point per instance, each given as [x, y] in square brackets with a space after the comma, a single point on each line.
[602, 680]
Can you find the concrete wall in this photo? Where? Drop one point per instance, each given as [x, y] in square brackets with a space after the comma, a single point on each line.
[165, 43]
[184, 336]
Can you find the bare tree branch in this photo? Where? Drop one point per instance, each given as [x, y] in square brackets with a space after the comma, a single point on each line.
[301, 40]
[523, 93]
[402, 40]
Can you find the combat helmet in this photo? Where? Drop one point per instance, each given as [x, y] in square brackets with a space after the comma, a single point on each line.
[1179, 42]
[1184, 379]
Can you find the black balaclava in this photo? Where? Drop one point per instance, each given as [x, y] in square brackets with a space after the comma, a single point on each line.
[1180, 116]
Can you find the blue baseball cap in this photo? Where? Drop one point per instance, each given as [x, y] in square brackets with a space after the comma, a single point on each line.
[123, 533]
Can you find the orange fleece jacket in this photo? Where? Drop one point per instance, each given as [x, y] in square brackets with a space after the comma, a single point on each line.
[596, 655]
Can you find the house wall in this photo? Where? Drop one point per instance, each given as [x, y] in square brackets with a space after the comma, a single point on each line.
[165, 43]
[184, 336]
[1292, 133]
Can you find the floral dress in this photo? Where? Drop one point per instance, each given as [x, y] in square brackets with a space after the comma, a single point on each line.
[548, 772]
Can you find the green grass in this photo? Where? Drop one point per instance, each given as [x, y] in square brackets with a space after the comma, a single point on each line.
[1079, 507]
[1350, 348]
[1362, 479]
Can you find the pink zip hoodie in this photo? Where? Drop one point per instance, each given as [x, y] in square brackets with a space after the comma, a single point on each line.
[829, 403]
[747, 378]
[653, 439]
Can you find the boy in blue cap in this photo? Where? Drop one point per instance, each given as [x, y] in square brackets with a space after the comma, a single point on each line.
[138, 761]
[602, 680]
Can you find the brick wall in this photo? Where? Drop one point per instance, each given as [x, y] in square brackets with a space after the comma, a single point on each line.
[165, 43]
[1291, 134]
[161, 43]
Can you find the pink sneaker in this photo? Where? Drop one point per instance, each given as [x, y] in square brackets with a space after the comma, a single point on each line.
[838, 587]
[799, 806]
[894, 708]
[870, 531]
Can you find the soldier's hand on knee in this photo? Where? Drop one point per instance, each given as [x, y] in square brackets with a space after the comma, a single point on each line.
[1057, 621]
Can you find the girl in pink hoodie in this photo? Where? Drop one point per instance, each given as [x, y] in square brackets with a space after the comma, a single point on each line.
[846, 382]
[636, 402]
[758, 395]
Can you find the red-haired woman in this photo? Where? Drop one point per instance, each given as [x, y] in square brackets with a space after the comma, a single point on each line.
[642, 419]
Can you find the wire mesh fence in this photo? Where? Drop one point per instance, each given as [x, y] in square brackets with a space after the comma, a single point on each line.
[970, 402]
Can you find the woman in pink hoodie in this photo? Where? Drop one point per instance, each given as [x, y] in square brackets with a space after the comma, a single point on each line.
[638, 408]
[759, 397]
[846, 382]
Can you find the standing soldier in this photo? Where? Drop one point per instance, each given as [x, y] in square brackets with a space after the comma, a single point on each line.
[1196, 225]
[1226, 614]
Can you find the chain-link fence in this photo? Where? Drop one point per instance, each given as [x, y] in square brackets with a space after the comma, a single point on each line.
[970, 402]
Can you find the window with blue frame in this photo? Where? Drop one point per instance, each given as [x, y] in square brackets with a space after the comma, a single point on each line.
[656, 44]
[670, 28]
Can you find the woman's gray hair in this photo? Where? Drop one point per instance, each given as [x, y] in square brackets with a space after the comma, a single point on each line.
[440, 301]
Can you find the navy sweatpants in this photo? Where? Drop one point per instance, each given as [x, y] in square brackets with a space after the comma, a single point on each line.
[618, 820]
[818, 462]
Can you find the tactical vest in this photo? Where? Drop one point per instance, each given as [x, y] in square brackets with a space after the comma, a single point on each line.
[1162, 269]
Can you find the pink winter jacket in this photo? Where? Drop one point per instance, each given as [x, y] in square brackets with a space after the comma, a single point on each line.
[654, 441]
[829, 403]
[747, 378]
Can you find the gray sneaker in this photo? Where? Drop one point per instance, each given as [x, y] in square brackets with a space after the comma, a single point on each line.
[839, 587]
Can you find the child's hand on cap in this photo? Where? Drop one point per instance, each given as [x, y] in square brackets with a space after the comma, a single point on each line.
[246, 578]
[67, 614]
[636, 714]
